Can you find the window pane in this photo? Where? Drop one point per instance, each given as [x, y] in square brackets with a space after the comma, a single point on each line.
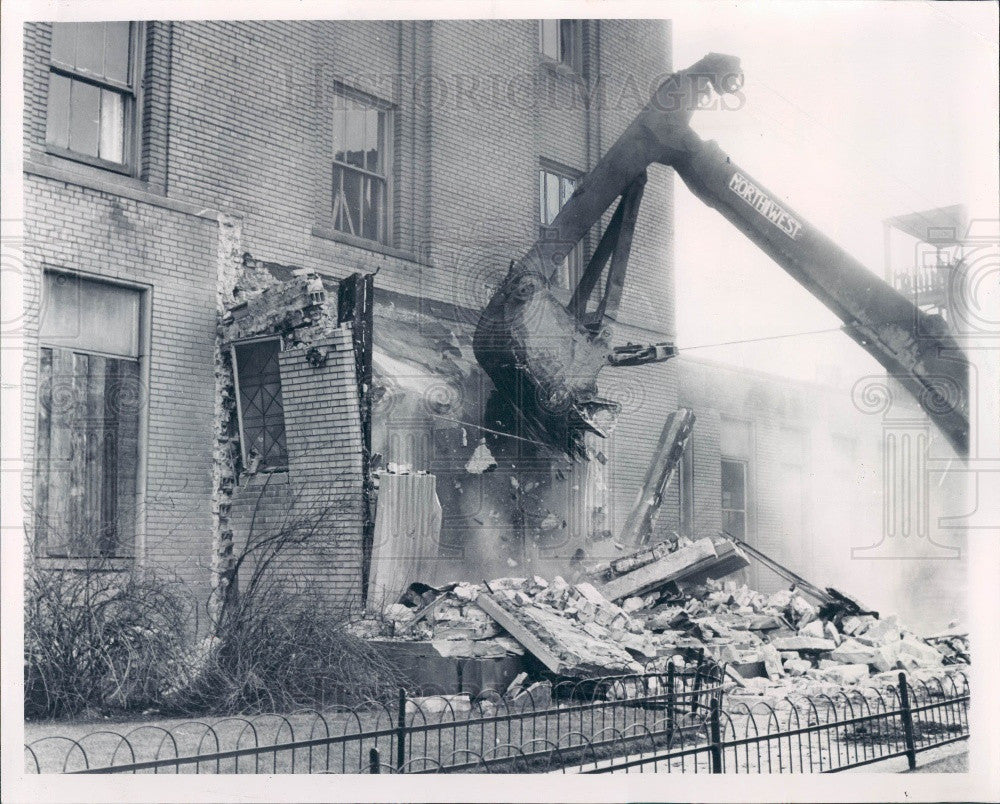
[566, 188]
[354, 143]
[373, 140]
[372, 213]
[339, 129]
[541, 197]
[112, 145]
[551, 197]
[63, 48]
[550, 38]
[90, 47]
[567, 41]
[57, 118]
[735, 522]
[84, 120]
[95, 316]
[87, 454]
[733, 485]
[261, 404]
[116, 53]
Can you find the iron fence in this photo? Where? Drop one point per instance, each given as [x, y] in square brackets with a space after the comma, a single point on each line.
[417, 732]
[669, 722]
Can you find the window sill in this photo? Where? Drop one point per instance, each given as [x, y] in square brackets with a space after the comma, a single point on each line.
[328, 233]
[262, 477]
[561, 69]
[97, 564]
[90, 161]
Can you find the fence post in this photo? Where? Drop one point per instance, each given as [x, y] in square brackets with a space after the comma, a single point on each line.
[670, 702]
[401, 731]
[907, 716]
[697, 680]
[374, 765]
[716, 736]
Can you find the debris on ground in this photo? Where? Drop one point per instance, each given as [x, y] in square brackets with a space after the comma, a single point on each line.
[642, 610]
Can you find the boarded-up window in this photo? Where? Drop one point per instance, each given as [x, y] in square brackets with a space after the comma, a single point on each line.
[89, 397]
[262, 413]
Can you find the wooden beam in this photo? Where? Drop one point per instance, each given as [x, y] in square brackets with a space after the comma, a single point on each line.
[512, 626]
[671, 567]
[675, 434]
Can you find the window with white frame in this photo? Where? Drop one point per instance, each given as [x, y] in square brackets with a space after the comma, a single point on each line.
[92, 97]
[555, 186]
[261, 407]
[561, 41]
[87, 435]
[361, 166]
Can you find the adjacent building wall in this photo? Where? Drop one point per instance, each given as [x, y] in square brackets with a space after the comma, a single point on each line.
[235, 129]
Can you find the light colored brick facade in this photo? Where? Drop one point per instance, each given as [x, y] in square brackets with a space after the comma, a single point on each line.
[234, 127]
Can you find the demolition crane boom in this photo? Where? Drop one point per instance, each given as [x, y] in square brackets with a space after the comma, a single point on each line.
[544, 356]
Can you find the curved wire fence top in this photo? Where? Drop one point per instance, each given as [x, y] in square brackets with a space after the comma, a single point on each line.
[338, 739]
[679, 718]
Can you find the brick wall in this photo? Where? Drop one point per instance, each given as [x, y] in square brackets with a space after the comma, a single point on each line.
[321, 491]
[807, 443]
[235, 121]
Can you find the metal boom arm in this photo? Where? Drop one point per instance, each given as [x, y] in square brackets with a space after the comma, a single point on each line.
[526, 340]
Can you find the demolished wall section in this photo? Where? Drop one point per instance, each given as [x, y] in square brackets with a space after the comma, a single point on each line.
[321, 490]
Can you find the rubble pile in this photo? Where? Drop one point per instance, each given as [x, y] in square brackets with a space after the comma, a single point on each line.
[953, 643]
[787, 635]
[674, 614]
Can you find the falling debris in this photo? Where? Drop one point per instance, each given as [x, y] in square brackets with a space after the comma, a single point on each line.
[482, 460]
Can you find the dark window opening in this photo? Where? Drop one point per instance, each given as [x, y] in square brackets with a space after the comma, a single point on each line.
[734, 498]
[92, 90]
[561, 40]
[261, 409]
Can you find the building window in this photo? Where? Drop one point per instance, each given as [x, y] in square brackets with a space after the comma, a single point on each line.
[260, 407]
[92, 91]
[87, 439]
[554, 189]
[561, 41]
[361, 187]
[734, 498]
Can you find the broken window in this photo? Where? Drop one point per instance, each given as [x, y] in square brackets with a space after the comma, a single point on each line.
[360, 167]
[261, 410]
[560, 40]
[92, 91]
[554, 189]
[734, 498]
[87, 437]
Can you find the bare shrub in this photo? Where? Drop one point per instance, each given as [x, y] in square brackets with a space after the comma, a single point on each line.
[277, 645]
[98, 639]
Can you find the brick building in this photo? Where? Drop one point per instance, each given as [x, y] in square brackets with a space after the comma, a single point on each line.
[162, 158]
[177, 173]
